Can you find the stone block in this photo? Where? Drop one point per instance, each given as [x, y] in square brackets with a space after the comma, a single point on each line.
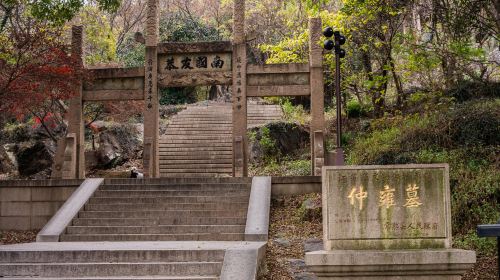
[15, 209]
[38, 222]
[52, 194]
[15, 223]
[438, 264]
[15, 194]
[386, 207]
[45, 208]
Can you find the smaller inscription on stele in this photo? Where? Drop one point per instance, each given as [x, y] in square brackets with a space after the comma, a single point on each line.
[386, 207]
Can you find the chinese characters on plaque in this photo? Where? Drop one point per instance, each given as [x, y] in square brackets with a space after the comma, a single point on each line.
[379, 203]
[195, 62]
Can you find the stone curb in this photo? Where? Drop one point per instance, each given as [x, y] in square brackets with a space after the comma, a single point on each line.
[257, 226]
[58, 223]
[243, 264]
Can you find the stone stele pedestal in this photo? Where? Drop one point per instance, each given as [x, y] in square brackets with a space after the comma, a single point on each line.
[388, 222]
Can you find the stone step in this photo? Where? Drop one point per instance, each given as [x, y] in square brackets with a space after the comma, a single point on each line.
[157, 221]
[119, 278]
[166, 199]
[193, 148]
[188, 142]
[187, 154]
[122, 193]
[200, 167]
[195, 171]
[200, 160]
[160, 229]
[164, 214]
[112, 256]
[199, 132]
[111, 269]
[195, 175]
[171, 206]
[178, 187]
[196, 157]
[181, 181]
[154, 237]
[195, 137]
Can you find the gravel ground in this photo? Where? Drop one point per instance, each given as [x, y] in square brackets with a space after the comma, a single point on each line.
[287, 234]
[17, 236]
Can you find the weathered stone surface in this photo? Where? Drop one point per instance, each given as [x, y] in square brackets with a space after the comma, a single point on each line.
[310, 209]
[313, 244]
[288, 138]
[7, 163]
[437, 264]
[117, 144]
[34, 157]
[282, 242]
[386, 207]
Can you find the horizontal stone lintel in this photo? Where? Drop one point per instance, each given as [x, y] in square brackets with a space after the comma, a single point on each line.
[195, 79]
[294, 90]
[282, 68]
[40, 183]
[113, 95]
[106, 73]
[194, 47]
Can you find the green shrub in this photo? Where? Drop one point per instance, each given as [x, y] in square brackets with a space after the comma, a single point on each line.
[467, 90]
[353, 109]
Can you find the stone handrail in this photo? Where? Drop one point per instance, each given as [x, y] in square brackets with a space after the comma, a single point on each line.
[257, 226]
[56, 226]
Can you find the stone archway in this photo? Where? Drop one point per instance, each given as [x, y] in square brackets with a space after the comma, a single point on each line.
[191, 64]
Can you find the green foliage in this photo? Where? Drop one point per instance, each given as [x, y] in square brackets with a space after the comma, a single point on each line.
[59, 12]
[267, 143]
[175, 96]
[467, 90]
[100, 42]
[294, 114]
[178, 27]
[467, 137]
[285, 167]
[354, 109]
[134, 56]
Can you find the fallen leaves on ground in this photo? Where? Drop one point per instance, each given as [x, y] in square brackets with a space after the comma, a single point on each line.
[17, 236]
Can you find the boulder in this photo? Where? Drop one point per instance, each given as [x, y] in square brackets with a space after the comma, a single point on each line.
[285, 139]
[34, 157]
[8, 162]
[282, 242]
[311, 209]
[313, 244]
[119, 143]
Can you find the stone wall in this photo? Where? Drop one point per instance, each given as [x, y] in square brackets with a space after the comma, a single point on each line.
[26, 204]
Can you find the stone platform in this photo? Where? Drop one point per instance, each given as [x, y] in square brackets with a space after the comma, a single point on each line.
[439, 264]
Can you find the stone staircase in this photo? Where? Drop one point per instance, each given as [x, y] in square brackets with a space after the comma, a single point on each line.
[198, 141]
[174, 228]
[192, 210]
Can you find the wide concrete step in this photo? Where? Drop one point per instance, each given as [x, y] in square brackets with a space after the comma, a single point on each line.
[200, 153]
[154, 237]
[201, 160]
[169, 148]
[119, 278]
[189, 156]
[158, 221]
[131, 193]
[202, 166]
[113, 256]
[196, 171]
[160, 229]
[167, 199]
[163, 213]
[195, 137]
[171, 206]
[111, 269]
[183, 189]
[184, 141]
[195, 175]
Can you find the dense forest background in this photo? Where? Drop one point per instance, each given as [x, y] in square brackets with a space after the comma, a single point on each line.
[420, 82]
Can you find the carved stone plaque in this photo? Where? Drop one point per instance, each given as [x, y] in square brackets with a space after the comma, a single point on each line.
[386, 207]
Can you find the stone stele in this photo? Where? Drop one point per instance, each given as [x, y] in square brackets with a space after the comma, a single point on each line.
[387, 222]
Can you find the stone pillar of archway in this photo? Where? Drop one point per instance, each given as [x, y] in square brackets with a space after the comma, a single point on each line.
[75, 112]
[239, 97]
[151, 102]
[317, 96]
